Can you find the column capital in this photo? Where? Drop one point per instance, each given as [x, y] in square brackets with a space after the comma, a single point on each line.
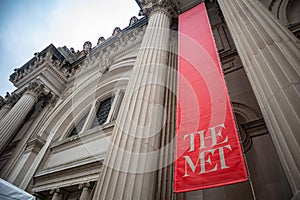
[149, 7]
[36, 89]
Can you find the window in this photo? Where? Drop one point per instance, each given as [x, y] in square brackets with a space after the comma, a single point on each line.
[102, 112]
[78, 126]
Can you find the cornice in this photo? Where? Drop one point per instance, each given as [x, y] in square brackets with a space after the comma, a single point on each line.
[50, 57]
[103, 56]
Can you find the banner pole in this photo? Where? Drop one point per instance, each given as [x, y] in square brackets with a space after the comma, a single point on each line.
[244, 155]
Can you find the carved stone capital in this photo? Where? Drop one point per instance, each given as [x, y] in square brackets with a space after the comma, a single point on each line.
[151, 6]
[35, 89]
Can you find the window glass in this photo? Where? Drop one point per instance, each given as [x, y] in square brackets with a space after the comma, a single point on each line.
[78, 126]
[102, 112]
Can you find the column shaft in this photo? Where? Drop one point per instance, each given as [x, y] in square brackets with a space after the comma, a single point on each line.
[85, 194]
[11, 122]
[129, 171]
[57, 196]
[271, 58]
[4, 110]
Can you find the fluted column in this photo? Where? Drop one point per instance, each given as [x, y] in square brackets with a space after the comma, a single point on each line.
[7, 103]
[86, 191]
[271, 58]
[130, 168]
[11, 122]
[4, 110]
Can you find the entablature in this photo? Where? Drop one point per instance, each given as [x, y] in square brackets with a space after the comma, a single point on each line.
[47, 66]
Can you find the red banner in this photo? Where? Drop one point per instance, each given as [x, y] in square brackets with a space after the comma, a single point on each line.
[208, 151]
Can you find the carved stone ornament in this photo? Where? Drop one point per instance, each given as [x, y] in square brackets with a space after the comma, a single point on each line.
[151, 6]
[100, 40]
[87, 46]
[133, 20]
[11, 99]
[103, 57]
[39, 59]
[36, 89]
[104, 65]
[116, 31]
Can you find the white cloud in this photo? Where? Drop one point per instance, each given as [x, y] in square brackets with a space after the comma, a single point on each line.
[66, 23]
[73, 24]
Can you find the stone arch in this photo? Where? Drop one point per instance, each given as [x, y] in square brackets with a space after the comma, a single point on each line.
[245, 112]
[85, 94]
[288, 12]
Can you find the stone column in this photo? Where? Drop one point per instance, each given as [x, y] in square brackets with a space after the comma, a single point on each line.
[2, 104]
[130, 168]
[271, 58]
[86, 191]
[56, 194]
[4, 110]
[11, 122]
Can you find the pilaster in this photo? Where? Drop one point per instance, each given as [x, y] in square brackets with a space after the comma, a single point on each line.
[271, 58]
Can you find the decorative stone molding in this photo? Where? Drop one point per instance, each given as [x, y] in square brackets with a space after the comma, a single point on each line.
[35, 145]
[104, 65]
[255, 128]
[69, 174]
[250, 130]
[151, 6]
[50, 56]
[105, 55]
[51, 101]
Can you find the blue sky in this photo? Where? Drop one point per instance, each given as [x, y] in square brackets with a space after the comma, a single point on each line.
[29, 26]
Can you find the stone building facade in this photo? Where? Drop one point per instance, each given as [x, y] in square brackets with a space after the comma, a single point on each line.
[85, 124]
